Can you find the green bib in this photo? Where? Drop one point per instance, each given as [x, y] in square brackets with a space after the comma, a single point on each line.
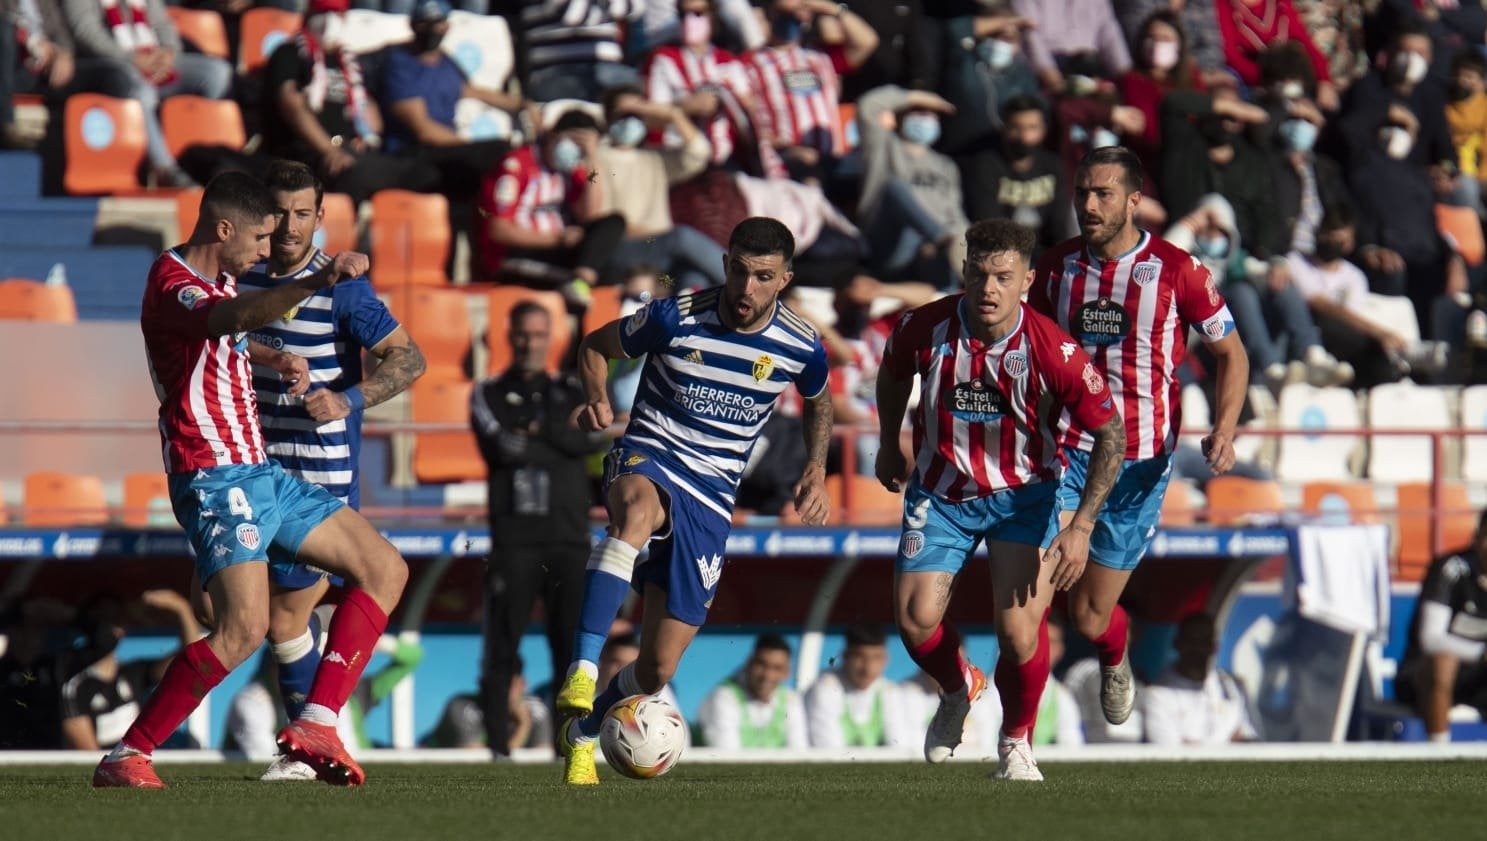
[869, 734]
[771, 735]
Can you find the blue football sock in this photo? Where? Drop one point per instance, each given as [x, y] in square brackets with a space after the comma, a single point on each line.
[298, 659]
[606, 584]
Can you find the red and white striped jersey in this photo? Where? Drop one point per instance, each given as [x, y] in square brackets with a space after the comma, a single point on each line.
[1132, 317]
[797, 103]
[208, 411]
[673, 73]
[989, 416]
[522, 189]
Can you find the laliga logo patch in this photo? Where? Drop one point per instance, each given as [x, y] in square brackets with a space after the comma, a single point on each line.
[1092, 379]
[911, 544]
[637, 320]
[1145, 273]
[1015, 364]
[192, 297]
[247, 534]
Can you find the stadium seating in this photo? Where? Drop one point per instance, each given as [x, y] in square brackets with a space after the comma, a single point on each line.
[1404, 405]
[439, 321]
[4, 509]
[147, 500]
[20, 176]
[1458, 523]
[338, 233]
[1395, 312]
[35, 222]
[62, 499]
[1233, 500]
[367, 31]
[444, 456]
[107, 280]
[33, 300]
[861, 500]
[1474, 448]
[261, 30]
[1344, 502]
[499, 302]
[104, 140]
[603, 308]
[481, 45]
[410, 238]
[1179, 505]
[202, 27]
[1305, 458]
[197, 121]
[1463, 227]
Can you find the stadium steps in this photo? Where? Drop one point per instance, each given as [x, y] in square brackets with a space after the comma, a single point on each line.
[107, 281]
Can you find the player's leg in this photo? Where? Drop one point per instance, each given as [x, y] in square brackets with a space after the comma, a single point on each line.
[292, 638]
[1022, 587]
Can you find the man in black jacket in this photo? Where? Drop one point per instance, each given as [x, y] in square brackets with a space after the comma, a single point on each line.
[538, 496]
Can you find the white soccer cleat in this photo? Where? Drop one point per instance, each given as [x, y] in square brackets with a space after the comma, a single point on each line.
[948, 725]
[1016, 761]
[1117, 691]
[286, 770]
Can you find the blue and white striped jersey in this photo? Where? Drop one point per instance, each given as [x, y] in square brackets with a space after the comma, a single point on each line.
[707, 390]
[329, 329]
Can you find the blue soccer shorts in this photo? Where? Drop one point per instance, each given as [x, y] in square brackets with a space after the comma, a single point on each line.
[1129, 519]
[233, 514]
[940, 536]
[687, 556]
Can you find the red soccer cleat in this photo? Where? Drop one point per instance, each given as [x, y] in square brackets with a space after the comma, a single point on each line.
[134, 771]
[318, 746]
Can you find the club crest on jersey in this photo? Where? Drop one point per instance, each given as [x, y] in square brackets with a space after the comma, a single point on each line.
[192, 297]
[1101, 322]
[976, 402]
[1014, 364]
[1146, 272]
[1217, 327]
[637, 321]
[1093, 380]
[911, 544]
[634, 460]
[247, 534]
[763, 367]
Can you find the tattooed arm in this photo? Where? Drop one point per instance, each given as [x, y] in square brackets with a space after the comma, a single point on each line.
[1104, 467]
[402, 363]
[811, 501]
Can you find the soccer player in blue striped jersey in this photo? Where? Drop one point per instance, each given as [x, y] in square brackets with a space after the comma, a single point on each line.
[716, 362]
[312, 419]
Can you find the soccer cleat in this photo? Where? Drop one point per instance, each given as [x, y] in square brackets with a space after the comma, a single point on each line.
[1117, 691]
[948, 725]
[286, 770]
[133, 771]
[578, 757]
[576, 698]
[1016, 761]
[318, 746]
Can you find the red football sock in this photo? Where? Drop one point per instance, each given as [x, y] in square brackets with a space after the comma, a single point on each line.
[354, 629]
[939, 657]
[1111, 645]
[188, 679]
[1020, 686]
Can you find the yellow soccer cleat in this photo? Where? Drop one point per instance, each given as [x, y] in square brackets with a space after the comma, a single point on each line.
[578, 758]
[576, 698]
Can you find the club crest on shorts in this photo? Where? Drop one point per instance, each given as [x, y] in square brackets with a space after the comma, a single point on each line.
[1014, 364]
[1146, 272]
[247, 534]
[911, 544]
[763, 367]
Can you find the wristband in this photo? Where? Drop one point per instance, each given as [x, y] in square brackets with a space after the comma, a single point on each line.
[354, 397]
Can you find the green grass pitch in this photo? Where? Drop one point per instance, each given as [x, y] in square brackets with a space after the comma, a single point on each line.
[1207, 801]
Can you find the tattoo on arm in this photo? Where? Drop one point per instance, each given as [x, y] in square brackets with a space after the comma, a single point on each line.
[817, 423]
[1104, 467]
[400, 366]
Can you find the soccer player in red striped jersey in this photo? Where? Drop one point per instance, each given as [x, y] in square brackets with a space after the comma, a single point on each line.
[233, 502]
[996, 380]
[1129, 298]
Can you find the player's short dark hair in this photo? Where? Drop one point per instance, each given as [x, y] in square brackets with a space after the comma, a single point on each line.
[574, 119]
[237, 197]
[1336, 218]
[1286, 60]
[1469, 59]
[292, 176]
[1020, 103]
[523, 309]
[761, 236]
[866, 634]
[611, 96]
[1119, 156]
[995, 236]
[770, 641]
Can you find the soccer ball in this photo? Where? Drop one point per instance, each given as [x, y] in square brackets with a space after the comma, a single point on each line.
[642, 736]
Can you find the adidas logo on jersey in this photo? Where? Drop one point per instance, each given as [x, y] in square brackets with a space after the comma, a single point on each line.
[695, 357]
[710, 571]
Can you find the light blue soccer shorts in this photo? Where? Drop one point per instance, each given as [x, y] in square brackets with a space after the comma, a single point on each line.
[1129, 519]
[686, 559]
[939, 536]
[232, 514]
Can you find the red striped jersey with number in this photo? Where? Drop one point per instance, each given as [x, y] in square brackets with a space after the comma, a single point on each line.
[1132, 316]
[989, 415]
[797, 93]
[208, 411]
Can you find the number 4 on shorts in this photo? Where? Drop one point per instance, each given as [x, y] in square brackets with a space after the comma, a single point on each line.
[237, 503]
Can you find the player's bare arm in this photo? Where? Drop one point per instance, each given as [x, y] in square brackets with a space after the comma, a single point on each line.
[891, 467]
[251, 310]
[598, 347]
[1232, 381]
[811, 501]
[292, 368]
[401, 363]
[1069, 550]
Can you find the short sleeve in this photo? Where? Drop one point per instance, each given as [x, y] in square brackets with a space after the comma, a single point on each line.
[1082, 389]
[284, 65]
[1040, 294]
[72, 705]
[359, 313]
[401, 77]
[185, 303]
[816, 375]
[1441, 579]
[500, 195]
[649, 328]
[1200, 303]
[898, 354]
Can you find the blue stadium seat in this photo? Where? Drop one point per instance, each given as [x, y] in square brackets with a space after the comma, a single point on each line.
[106, 280]
[20, 176]
[48, 222]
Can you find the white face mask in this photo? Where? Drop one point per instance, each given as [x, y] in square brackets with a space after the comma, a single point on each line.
[1292, 90]
[1413, 66]
[1103, 137]
[1163, 55]
[329, 29]
[1396, 142]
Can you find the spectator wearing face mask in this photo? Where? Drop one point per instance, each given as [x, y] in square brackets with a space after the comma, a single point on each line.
[1399, 79]
[1069, 33]
[1466, 114]
[1018, 178]
[1163, 63]
[1199, 25]
[910, 204]
[985, 68]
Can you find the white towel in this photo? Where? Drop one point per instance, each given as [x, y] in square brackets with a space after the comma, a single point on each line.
[1339, 576]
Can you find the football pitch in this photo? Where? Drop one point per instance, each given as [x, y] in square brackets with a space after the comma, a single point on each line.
[1139, 801]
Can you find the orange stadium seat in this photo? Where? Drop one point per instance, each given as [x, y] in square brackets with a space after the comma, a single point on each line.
[1457, 526]
[147, 500]
[499, 303]
[31, 300]
[197, 121]
[1464, 227]
[410, 238]
[260, 31]
[861, 500]
[202, 27]
[4, 509]
[1356, 499]
[340, 223]
[1233, 499]
[104, 138]
[1178, 507]
[439, 321]
[444, 456]
[63, 499]
[604, 308]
